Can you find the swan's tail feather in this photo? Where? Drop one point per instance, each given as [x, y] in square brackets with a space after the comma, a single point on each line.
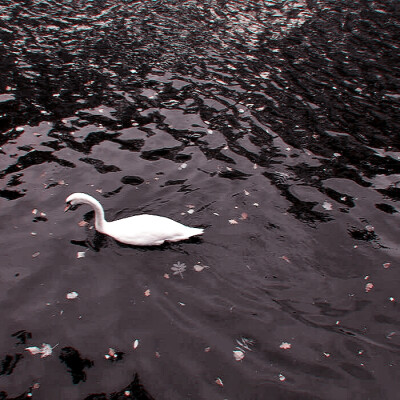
[196, 231]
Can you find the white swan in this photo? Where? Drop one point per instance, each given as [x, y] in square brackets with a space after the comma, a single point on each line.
[139, 230]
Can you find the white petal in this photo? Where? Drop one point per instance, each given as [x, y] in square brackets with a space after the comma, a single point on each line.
[33, 350]
[239, 355]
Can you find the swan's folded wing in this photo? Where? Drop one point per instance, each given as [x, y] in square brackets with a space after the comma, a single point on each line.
[147, 230]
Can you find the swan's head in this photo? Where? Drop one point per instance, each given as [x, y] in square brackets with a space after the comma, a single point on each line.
[75, 199]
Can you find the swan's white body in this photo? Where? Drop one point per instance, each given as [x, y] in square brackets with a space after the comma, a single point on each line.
[139, 230]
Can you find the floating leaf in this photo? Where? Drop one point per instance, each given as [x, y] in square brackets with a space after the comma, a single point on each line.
[147, 293]
[199, 267]
[245, 344]
[386, 265]
[179, 268]
[34, 255]
[45, 351]
[233, 222]
[282, 378]
[135, 344]
[244, 216]
[80, 254]
[166, 276]
[327, 206]
[72, 295]
[238, 355]
[113, 355]
[285, 259]
[33, 350]
[285, 345]
[219, 382]
[369, 228]
[369, 286]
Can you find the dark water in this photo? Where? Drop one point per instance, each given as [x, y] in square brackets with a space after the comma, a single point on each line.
[274, 125]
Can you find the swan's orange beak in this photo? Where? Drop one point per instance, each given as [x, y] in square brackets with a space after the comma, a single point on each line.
[67, 207]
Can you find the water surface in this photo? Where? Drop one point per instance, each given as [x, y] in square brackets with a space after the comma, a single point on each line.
[272, 124]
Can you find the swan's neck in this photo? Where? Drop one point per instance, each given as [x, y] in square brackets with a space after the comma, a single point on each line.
[99, 222]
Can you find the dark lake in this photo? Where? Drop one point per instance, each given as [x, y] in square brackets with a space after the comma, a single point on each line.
[274, 125]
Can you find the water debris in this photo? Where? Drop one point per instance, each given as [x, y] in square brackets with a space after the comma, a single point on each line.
[179, 268]
[147, 293]
[157, 354]
[72, 295]
[113, 355]
[238, 355]
[166, 276]
[191, 211]
[34, 255]
[255, 204]
[392, 299]
[282, 378]
[135, 344]
[387, 265]
[246, 193]
[327, 355]
[199, 267]
[285, 346]
[219, 382]
[233, 222]
[80, 254]
[182, 166]
[45, 351]
[327, 206]
[244, 344]
[207, 349]
[244, 216]
[284, 258]
[369, 228]
[369, 286]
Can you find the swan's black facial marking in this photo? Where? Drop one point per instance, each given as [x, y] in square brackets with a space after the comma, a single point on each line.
[70, 206]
